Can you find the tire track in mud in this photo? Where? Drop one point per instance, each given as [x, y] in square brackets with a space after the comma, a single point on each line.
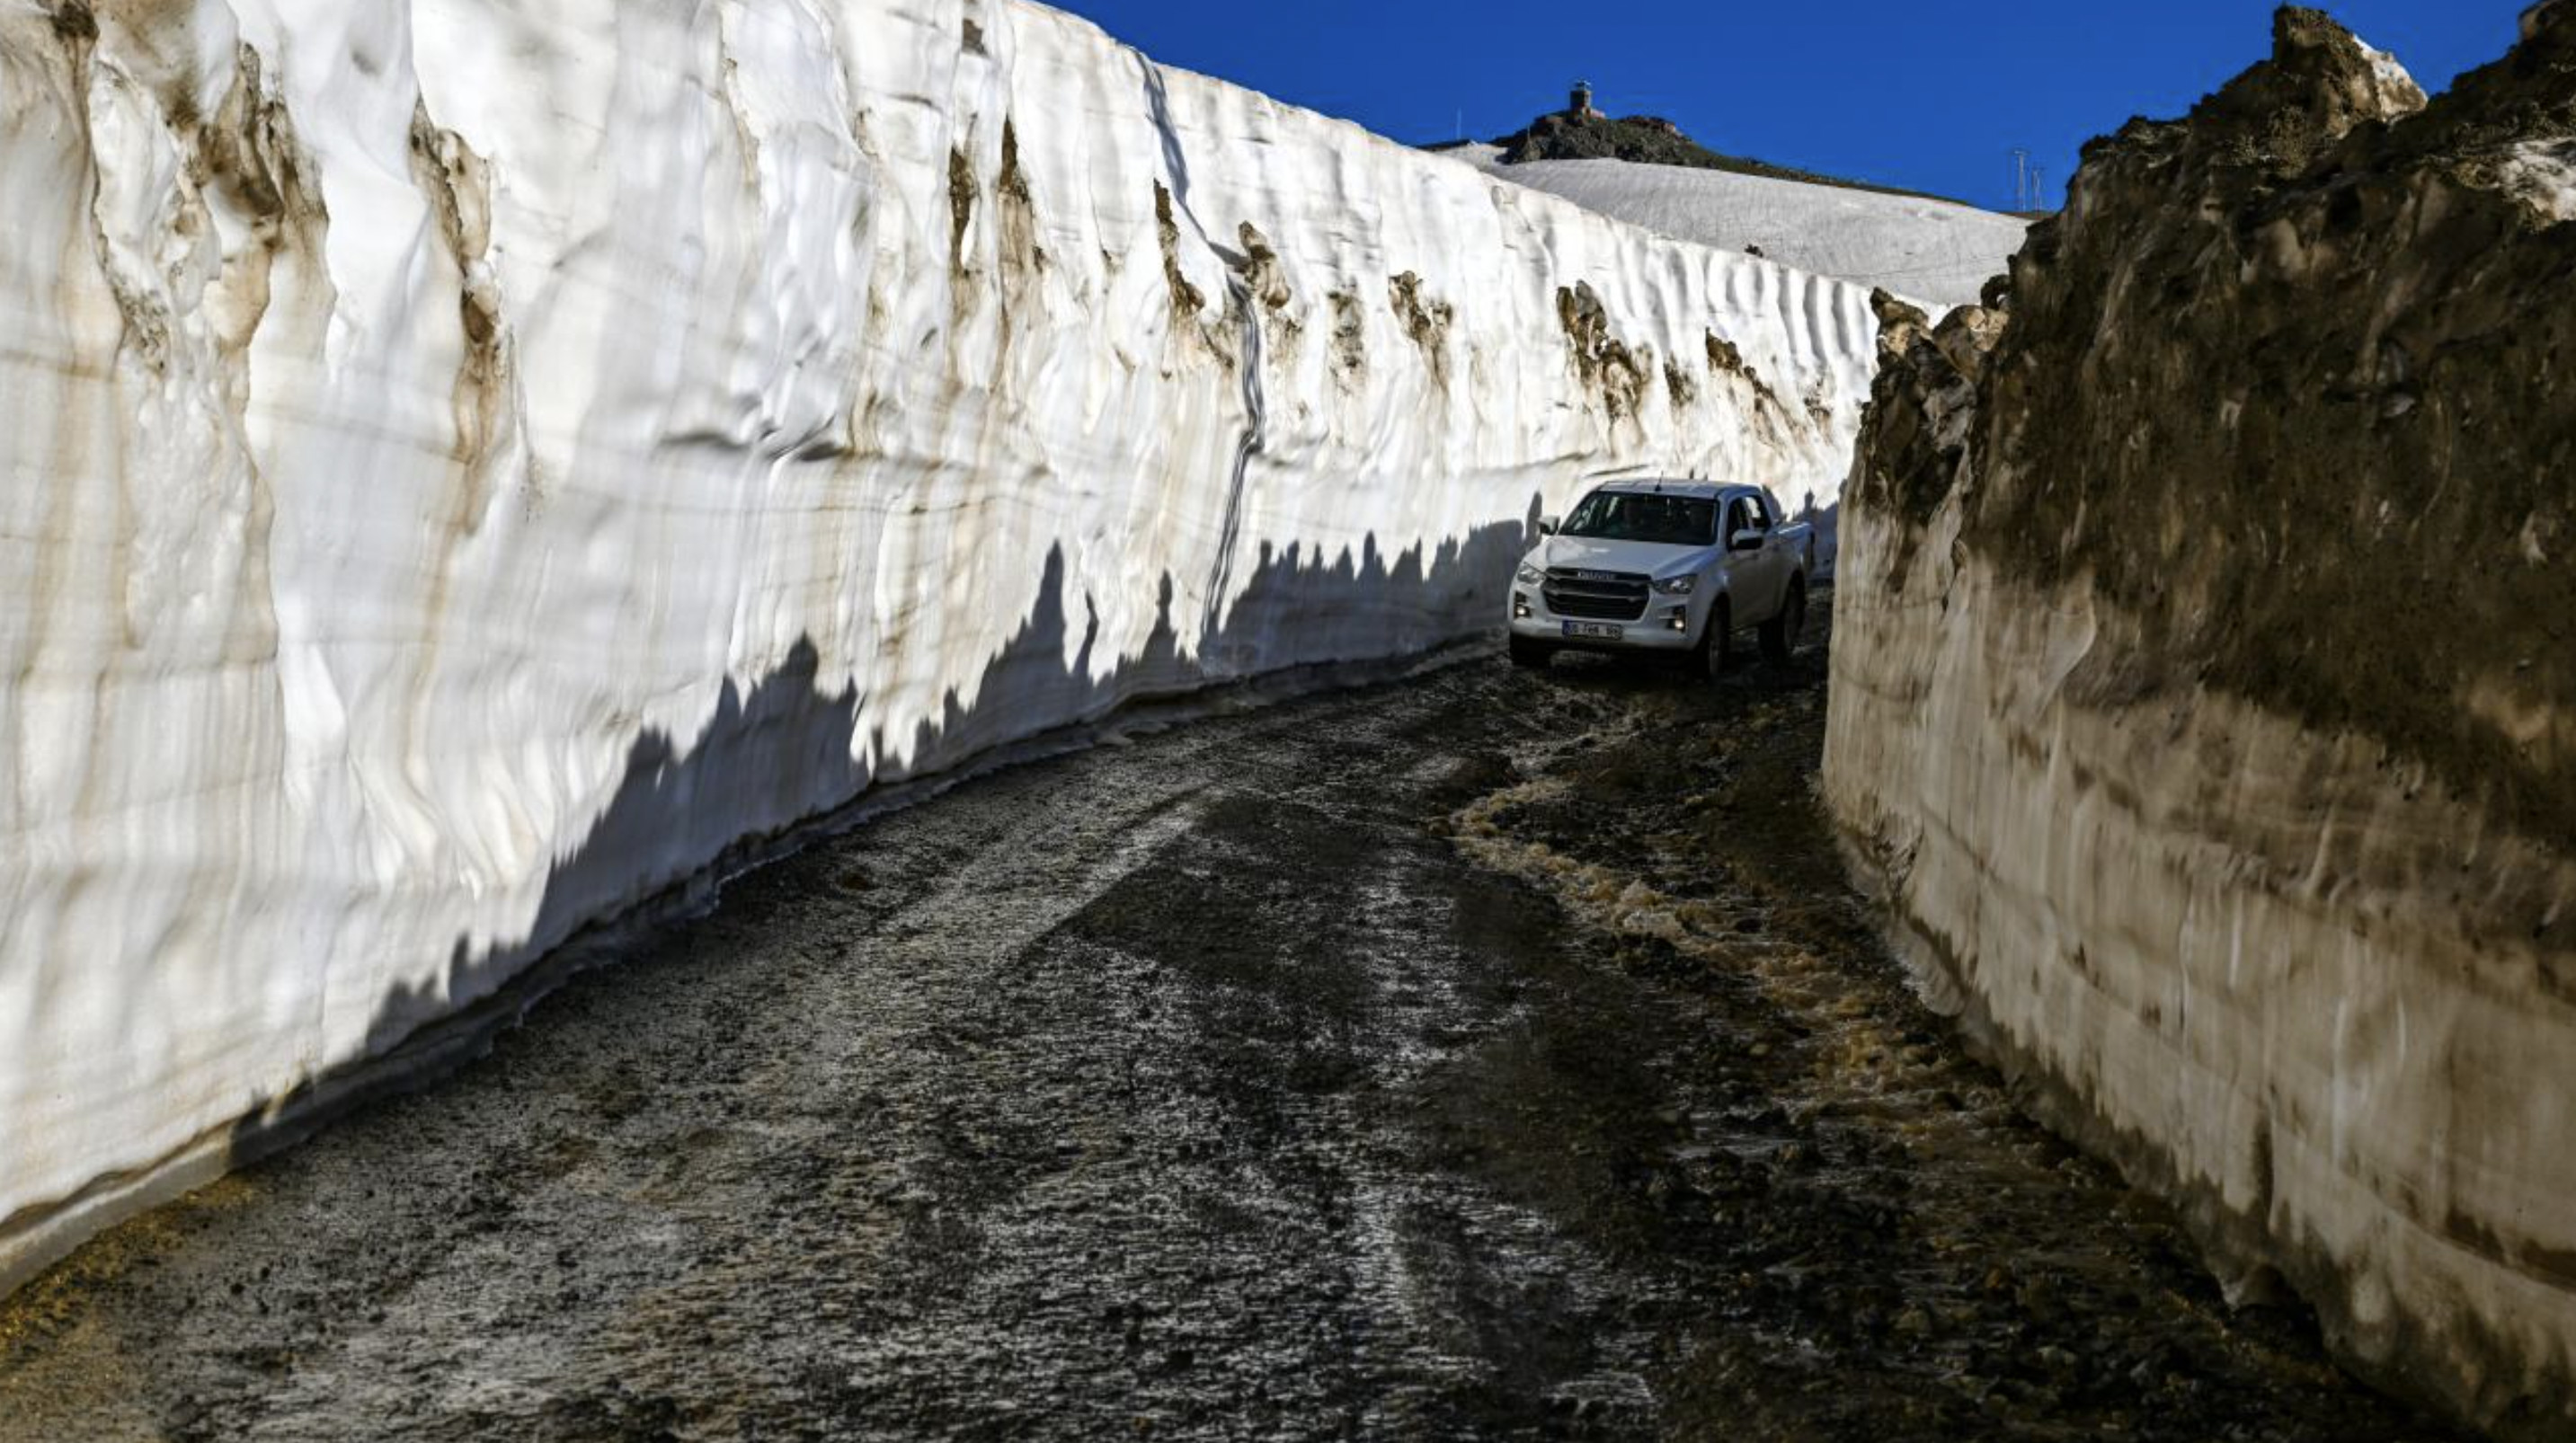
[1481, 1055]
[1879, 1242]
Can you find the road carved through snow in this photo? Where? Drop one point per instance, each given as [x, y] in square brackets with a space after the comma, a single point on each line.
[1485, 1053]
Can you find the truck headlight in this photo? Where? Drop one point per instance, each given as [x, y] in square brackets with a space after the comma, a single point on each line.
[1678, 585]
[1531, 575]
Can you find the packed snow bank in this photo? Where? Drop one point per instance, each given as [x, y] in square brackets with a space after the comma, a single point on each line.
[1936, 250]
[2204, 691]
[468, 461]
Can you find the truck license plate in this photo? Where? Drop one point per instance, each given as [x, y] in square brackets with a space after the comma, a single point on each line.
[1594, 631]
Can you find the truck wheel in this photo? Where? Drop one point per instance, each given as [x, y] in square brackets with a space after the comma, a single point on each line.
[1780, 633]
[1716, 650]
[1531, 653]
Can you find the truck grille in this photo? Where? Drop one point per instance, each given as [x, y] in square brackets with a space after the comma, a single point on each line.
[1595, 595]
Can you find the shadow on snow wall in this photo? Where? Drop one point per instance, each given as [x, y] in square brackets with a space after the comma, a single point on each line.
[776, 763]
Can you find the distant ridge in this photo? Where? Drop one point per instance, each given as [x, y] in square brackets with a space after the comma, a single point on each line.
[1644, 171]
[1585, 134]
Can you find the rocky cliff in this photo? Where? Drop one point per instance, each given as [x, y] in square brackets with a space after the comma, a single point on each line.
[470, 462]
[2204, 691]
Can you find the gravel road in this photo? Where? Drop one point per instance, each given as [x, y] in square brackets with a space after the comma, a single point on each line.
[1479, 1054]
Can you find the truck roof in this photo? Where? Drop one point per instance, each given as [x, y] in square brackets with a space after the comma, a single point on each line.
[1652, 486]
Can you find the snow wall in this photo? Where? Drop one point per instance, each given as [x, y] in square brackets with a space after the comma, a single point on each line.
[2204, 690]
[470, 462]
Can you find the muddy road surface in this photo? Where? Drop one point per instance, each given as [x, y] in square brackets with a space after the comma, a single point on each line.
[1483, 1054]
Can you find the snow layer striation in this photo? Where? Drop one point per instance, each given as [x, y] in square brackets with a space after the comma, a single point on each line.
[468, 463]
[2203, 698]
[1934, 250]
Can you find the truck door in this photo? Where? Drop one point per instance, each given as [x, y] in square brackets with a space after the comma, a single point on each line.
[1757, 576]
[1777, 563]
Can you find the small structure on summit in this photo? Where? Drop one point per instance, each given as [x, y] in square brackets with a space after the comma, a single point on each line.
[1583, 131]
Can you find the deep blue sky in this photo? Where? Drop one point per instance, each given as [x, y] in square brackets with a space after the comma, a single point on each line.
[1927, 94]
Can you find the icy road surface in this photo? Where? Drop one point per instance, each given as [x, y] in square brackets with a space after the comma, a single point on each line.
[1483, 1054]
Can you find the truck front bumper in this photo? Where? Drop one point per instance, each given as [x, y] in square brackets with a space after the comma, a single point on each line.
[1671, 624]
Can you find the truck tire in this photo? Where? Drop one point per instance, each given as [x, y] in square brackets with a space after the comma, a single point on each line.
[1531, 653]
[1780, 633]
[1716, 650]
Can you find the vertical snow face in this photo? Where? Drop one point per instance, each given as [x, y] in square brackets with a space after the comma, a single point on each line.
[2204, 696]
[468, 462]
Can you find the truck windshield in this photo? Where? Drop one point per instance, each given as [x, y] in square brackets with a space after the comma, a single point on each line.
[1635, 516]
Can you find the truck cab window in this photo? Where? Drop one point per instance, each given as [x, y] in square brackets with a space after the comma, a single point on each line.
[1641, 516]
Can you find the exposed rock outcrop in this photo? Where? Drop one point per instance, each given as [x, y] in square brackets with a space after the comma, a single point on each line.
[1651, 140]
[2205, 686]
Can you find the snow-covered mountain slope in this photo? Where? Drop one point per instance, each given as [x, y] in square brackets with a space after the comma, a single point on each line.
[468, 462]
[1933, 250]
[2204, 698]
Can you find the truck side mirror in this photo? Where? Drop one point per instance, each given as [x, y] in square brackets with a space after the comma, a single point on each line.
[1745, 541]
[1547, 525]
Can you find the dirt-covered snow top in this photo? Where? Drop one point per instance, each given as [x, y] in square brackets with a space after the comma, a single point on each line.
[2234, 551]
[2313, 317]
[1933, 250]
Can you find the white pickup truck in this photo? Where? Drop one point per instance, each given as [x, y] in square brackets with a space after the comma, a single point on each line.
[1664, 568]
